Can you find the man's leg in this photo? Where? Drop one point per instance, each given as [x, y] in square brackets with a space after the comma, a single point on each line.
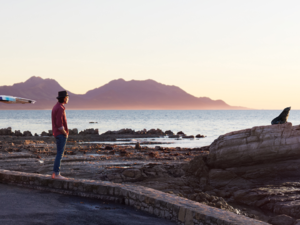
[61, 141]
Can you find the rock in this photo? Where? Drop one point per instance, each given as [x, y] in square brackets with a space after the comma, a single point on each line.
[211, 200]
[6, 131]
[197, 167]
[190, 137]
[137, 145]
[27, 134]
[132, 173]
[18, 133]
[174, 136]
[44, 134]
[282, 118]
[169, 132]
[122, 131]
[255, 146]
[158, 148]
[297, 222]
[180, 133]
[153, 154]
[89, 131]
[155, 131]
[124, 153]
[73, 131]
[200, 136]
[108, 147]
[258, 167]
[282, 220]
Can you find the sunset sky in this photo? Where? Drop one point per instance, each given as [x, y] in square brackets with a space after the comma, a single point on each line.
[246, 53]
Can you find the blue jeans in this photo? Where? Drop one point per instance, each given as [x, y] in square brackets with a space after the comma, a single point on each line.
[61, 141]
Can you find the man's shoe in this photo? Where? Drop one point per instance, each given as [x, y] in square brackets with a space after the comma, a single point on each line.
[58, 177]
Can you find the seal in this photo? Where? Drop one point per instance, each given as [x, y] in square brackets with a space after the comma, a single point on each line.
[282, 118]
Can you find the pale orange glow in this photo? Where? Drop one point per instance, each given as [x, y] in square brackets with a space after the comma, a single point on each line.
[243, 52]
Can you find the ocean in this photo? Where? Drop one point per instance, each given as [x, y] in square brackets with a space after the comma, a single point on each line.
[211, 123]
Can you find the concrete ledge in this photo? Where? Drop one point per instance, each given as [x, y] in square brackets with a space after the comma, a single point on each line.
[180, 210]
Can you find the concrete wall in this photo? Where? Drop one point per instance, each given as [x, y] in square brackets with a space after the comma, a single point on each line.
[180, 210]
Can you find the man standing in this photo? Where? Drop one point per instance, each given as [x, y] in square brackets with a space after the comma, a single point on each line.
[60, 131]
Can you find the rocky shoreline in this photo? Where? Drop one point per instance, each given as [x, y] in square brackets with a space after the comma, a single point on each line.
[253, 172]
[116, 134]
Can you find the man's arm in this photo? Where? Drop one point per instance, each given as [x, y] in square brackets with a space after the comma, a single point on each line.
[59, 122]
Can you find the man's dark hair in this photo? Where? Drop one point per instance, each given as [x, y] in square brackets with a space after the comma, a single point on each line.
[61, 100]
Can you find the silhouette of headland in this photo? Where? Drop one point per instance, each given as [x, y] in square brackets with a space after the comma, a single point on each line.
[117, 94]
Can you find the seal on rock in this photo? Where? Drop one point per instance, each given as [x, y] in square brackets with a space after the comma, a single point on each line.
[282, 118]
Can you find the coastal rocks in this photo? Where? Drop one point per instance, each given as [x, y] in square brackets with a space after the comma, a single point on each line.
[156, 171]
[155, 131]
[190, 137]
[150, 133]
[169, 132]
[153, 154]
[282, 220]
[197, 167]
[6, 131]
[132, 174]
[45, 134]
[174, 136]
[211, 200]
[258, 167]
[122, 131]
[180, 133]
[255, 146]
[108, 147]
[128, 131]
[27, 134]
[200, 136]
[73, 131]
[18, 133]
[89, 131]
[124, 153]
[282, 118]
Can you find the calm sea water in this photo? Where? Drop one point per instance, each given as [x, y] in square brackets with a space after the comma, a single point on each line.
[211, 123]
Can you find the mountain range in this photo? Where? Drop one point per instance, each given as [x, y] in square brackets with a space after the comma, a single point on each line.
[117, 94]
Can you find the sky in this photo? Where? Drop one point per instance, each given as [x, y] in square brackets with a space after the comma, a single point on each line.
[243, 52]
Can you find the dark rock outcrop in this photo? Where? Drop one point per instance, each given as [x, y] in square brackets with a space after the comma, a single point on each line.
[181, 133]
[27, 134]
[169, 132]
[200, 136]
[189, 136]
[6, 131]
[89, 131]
[282, 220]
[73, 131]
[18, 133]
[258, 167]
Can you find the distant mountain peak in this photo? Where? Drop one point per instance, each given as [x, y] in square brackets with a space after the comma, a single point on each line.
[116, 94]
[34, 79]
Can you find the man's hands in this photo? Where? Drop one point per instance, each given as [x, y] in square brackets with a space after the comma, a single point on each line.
[64, 132]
